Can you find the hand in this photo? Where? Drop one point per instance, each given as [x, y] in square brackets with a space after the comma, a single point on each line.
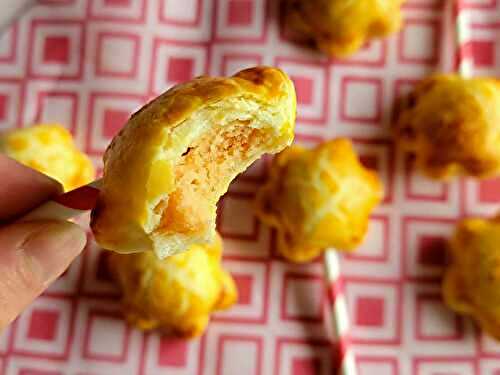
[32, 254]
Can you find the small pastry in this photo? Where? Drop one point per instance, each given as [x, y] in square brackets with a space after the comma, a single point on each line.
[452, 126]
[471, 284]
[317, 199]
[49, 148]
[166, 169]
[177, 294]
[340, 28]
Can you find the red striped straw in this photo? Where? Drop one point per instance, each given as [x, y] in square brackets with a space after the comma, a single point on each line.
[339, 314]
[68, 205]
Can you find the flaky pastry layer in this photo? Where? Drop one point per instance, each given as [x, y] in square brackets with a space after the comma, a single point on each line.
[165, 171]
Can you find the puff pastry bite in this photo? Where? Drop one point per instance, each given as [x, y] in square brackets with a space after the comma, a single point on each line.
[338, 27]
[452, 126]
[471, 284]
[176, 294]
[165, 171]
[49, 148]
[318, 198]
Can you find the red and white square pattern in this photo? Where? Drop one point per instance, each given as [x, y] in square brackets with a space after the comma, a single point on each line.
[252, 282]
[361, 100]
[303, 357]
[55, 107]
[248, 349]
[482, 197]
[371, 365]
[488, 346]
[375, 310]
[232, 224]
[188, 15]
[423, 245]
[311, 85]
[423, 4]
[431, 327]
[241, 20]
[8, 44]
[174, 63]
[489, 367]
[479, 4]
[98, 281]
[375, 247]
[419, 42]
[10, 94]
[112, 44]
[102, 340]
[302, 298]
[29, 366]
[109, 112]
[435, 321]
[106, 337]
[4, 340]
[169, 354]
[233, 63]
[420, 188]
[372, 54]
[125, 11]
[56, 49]
[443, 366]
[44, 328]
[379, 156]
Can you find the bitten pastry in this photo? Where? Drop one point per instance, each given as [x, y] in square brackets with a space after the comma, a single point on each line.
[176, 294]
[452, 126]
[165, 171]
[318, 198]
[472, 280]
[49, 148]
[338, 27]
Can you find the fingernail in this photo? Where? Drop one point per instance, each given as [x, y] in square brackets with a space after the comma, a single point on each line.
[53, 246]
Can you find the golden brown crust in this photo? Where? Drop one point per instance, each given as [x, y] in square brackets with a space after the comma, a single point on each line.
[198, 135]
[49, 149]
[452, 125]
[471, 284]
[177, 294]
[317, 199]
[340, 28]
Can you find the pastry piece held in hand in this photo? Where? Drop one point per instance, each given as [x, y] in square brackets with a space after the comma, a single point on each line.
[317, 199]
[49, 149]
[472, 279]
[177, 294]
[452, 126]
[338, 27]
[165, 171]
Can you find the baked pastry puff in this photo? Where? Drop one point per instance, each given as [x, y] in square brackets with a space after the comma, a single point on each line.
[452, 126]
[471, 284]
[165, 171]
[317, 199]
[176, 294]
[49, 148]
[338, 27]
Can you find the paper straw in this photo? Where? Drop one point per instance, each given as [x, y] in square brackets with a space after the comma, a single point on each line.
[68, 205]
[339, 314]
[464, 55]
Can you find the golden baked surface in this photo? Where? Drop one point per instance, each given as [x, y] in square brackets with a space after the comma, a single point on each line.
[452, 126]
[165, 171]
[49, 148]
[176, 294]
[318, 198]
[339, 27]
[472, 280]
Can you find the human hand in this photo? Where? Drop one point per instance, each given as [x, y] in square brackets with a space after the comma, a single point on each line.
[32, 254]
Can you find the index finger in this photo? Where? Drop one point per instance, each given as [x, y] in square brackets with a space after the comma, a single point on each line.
[22, 188]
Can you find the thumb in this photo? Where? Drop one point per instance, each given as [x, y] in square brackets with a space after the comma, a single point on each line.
[32, 255]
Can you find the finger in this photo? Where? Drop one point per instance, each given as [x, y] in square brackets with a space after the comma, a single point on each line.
[32, 255]
[22, 188]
